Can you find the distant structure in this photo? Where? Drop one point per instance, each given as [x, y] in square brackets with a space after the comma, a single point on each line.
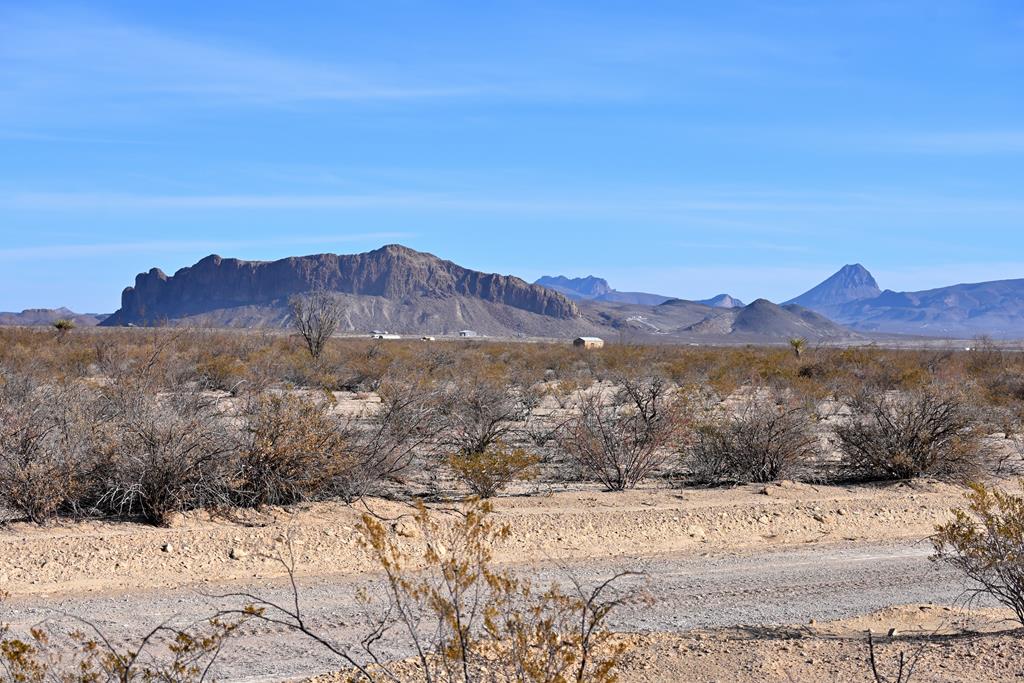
[468, 333]
[588, 342]
[385, 335]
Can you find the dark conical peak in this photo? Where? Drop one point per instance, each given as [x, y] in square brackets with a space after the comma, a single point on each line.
[852, 282]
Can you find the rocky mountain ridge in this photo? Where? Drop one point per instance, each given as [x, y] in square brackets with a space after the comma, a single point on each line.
[393, 273]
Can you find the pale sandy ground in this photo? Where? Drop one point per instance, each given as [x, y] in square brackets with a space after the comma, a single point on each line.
[113, 556]
[93, 563]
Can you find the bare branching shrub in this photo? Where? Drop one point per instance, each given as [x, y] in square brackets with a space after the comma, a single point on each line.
[487, 474]
[985, 542]
[768, 438]
[622, 438]
[290, 449]
[316, 317]
[43, 446]
[901, 435]
[162, 454]
[467, 621]
[477, 410]
[389, 438]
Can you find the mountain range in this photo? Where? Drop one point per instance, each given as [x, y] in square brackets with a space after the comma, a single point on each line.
[592, 288]
[851, 297]
[412, 292]
[47, 316]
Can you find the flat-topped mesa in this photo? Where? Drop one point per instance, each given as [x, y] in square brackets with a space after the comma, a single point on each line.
[393, 272]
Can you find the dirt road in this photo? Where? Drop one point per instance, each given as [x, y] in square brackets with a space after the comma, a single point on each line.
[689, 590]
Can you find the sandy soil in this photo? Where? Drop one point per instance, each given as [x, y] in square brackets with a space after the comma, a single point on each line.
[937, 643]
[199, 548]
[726, 568]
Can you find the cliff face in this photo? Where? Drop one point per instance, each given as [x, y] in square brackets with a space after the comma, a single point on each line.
[393, 272]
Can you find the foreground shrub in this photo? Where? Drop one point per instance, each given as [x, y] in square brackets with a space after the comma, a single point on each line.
[891, 436]
[767, 439]
[622, 438]
[467, 622]
[985, 542]
[487, 473]
[87, 655]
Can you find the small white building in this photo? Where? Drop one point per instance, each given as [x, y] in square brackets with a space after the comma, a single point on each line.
[385, 335]
[588, 342]
[468, 333]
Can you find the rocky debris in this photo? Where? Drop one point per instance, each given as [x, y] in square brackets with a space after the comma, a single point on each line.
[406, 529]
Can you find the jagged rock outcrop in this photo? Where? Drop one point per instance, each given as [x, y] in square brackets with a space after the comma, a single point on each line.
[393, 272]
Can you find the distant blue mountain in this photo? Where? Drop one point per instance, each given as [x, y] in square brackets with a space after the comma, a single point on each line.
[592, 288]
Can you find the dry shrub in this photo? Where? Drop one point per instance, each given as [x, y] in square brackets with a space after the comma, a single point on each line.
[43, 446]
[479, 409]
[487, 473]
[768, 438]
[161, 454]
[901, 435]
[388, 439]
[86, 655]
[623, 438]
[224, 373]
[985, 542]
[290, 449]
[467, 622]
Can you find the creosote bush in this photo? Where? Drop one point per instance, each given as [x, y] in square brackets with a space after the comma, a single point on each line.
[488, 473]
[926, 432]
[985, 541]
[86, 655]
[43, 447]
[467, 621]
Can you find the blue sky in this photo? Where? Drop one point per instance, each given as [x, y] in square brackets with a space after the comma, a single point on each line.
[680, 148]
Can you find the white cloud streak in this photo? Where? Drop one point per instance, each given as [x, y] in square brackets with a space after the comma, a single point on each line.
[666, 202]
[61, 57]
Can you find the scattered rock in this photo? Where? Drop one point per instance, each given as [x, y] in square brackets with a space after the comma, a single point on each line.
[167, 548]
[237, 554]
[406, 529]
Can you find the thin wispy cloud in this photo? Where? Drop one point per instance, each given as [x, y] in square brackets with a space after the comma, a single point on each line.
[51, 59]
[85, 250]
[966, 142]
[665, 203]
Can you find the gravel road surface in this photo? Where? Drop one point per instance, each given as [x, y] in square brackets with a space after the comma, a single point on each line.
[786, 586]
